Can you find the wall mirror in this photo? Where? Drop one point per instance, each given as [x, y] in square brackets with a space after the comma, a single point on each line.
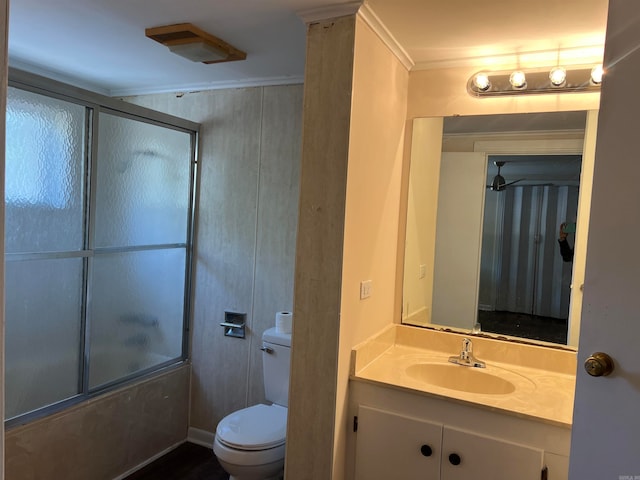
[487, 197]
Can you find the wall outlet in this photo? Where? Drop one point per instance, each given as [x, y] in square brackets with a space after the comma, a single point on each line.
[366, 287]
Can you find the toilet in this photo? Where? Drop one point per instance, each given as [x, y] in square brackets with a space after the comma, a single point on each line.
[250, 443]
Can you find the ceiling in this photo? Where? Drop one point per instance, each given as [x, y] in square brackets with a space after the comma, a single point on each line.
[526, 169]
[100, 44]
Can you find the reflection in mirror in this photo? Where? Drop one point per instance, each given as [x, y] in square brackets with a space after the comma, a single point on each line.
[487, 197]
[525, 283]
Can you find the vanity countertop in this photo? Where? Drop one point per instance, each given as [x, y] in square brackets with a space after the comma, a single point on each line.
[544, 377]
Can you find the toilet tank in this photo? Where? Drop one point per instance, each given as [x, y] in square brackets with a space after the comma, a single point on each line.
[276, 360]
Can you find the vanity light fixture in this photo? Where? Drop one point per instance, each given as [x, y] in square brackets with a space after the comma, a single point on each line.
[190, 42]
[596, 74]
[558, 76]
[482, 82]
[518, 80]
[544, 80]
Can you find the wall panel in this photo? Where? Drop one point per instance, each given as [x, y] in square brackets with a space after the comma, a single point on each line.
[245, 236]
[104, 437]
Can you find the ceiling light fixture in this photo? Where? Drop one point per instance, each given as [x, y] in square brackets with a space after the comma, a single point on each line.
[542, 80]
[190, 42]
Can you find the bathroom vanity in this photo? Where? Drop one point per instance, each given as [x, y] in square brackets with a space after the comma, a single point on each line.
[415, 415]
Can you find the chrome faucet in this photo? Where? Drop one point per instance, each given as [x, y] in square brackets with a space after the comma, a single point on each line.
[466, 357]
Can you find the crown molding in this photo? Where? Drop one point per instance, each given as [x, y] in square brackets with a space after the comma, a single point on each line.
[586, 55]
[364, 11]
[57, 76]
[177, 88]
[314, 15]
[370, 18]
[199, 87]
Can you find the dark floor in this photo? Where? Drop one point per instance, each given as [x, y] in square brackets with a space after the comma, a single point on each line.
[534, 327]
[187, 462]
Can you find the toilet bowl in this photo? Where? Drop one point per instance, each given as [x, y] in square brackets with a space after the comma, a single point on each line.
[250, 443]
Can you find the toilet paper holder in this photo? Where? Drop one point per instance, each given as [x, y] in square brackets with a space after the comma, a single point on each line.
[234, 324]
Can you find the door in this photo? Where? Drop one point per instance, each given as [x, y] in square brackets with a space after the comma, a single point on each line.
[4, 10]
[606, 429]
[458, 239]
[390, 445]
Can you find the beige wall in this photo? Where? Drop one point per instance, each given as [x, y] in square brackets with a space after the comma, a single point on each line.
[318, 270]
[443, 92]
[4, 8]
[246, 230]
[384, 97]
[584, 214]
[377, 132]
[105, 437]
[422, 203]
[354, 120]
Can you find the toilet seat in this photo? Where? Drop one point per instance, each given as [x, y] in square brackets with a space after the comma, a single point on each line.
[259, 427]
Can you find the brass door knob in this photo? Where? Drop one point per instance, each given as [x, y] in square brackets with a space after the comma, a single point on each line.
[599, 364]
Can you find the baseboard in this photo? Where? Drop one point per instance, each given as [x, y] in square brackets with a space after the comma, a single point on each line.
[148, 461]
[200, 437]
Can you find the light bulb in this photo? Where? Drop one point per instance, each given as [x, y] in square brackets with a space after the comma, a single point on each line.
[596, 74]
[518, 79]
[557, 75]
[482, 82]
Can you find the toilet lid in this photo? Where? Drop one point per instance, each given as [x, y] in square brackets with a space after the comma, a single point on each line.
[255, 428]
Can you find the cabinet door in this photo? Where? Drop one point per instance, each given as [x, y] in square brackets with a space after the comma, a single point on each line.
[557, 465]
[389, 445]
[466, 455]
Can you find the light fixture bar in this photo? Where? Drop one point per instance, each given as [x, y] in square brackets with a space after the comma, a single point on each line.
[523, 82]
[189, 41]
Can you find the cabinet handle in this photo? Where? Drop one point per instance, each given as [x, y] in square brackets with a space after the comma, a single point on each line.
[426, 450]
[454, 459]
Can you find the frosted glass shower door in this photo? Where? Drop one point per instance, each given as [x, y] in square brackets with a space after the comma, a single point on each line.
[138, 273]
[44, 239]
[99, 201]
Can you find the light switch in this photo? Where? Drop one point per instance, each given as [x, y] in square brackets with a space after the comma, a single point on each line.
[366, 287]
[423, 271]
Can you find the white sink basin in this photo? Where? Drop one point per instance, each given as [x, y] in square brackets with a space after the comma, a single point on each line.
[461, 378]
